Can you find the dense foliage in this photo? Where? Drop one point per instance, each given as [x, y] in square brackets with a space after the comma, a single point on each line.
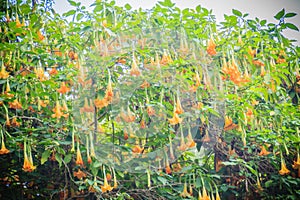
[147, 104]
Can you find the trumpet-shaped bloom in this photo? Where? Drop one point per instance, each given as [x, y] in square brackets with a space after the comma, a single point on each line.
[101, 103]
[284, 170]
[53, 71]
[14, 122]
[145, 84]
[63, 88]
[178, 109]
[41, 37]
[79, 160]
[211, 47]
[57, 111]
[79, 174]
[184, 193]
[134, 68]
[150, 111]
[175, 119]
[15, 104]
[28, 164]
[87, 107]
[40, 73]
[3, 149]
[106, 187]
[166, 58]
[229, 125]
[264, 151]
[296, 165]
[3, 73]
[137, 149]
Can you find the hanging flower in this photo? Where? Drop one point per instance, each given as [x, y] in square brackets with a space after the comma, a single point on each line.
[258, 63]
[15, 104]
[142, 124]
[284, 170]
[40, 73]
[134, 68]
[150, 111]
[296, 164]
[137, 149]
[79, 160]
[204, 194]
[166, 58]
[63, 88]
[53, 71]
[178, 108]
[109, 92]
[57, 111]
[28, 163]
[206, 137]
[79, 174]
[168, 170]
[18, 23]
[175, 119]
[115, 179]
[145, 84]
[229, 125]
[41, 37]
[14, 122]
[251, 51]
[3, 73]
[262, 71]
[211, 47]
[87, 107]
[264, 151]
[3, 149]
[218, 196]
[106, 187]
[101, 103]
[184, 193]
[129, 117]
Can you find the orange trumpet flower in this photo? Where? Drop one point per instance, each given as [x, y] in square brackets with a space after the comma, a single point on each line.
[28, 163]
[63, 88]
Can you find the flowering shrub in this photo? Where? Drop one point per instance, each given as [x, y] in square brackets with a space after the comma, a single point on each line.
[159, 104]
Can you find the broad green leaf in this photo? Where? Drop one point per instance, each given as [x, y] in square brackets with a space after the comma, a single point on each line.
[162, 180]
[288, 15]
[68, 158]
[128, 6]
[280, 14]
[58, 159]
[237, 13]
[45, 156]
[73, 3]
[292, 26]
[69, 13]
[79, 16]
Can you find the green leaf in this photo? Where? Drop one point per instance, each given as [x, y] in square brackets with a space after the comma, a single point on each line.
[237, 13]
[68, 158]
[45, 156]
[288, 15]
[268, 183]
[263, 22]
[127, 6]
[162, 180]
[292, 26]
[280, 14]
[79, 16]
[69, 13]
[58, 159]
[73, 3]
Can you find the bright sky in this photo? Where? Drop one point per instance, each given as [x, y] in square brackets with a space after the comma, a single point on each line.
[263, 9]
